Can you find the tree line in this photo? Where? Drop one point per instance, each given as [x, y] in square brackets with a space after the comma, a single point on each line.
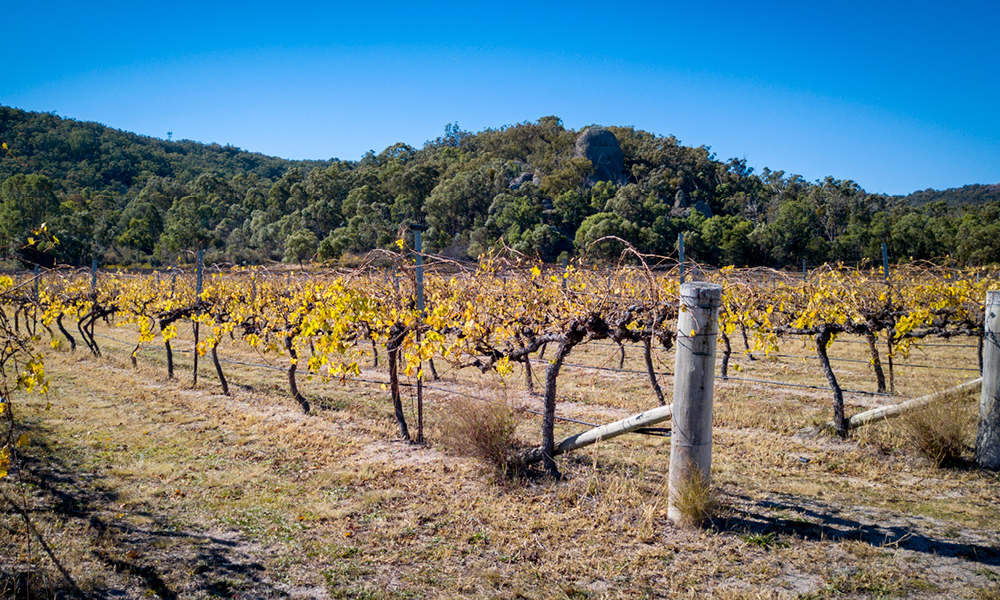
[128, 199]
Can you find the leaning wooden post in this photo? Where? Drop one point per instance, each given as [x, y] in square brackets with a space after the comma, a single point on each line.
[988, 438]
[694, 383]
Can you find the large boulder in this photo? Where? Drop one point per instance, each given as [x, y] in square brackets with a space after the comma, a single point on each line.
[704, 208]
[681, 210]
[523, 178]
[605, 153]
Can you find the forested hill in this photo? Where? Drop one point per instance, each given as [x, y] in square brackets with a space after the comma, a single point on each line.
[540, 188]
[77, 154]
[969, 194]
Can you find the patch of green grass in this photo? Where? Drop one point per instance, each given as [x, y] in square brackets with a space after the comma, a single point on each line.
[991, 593]
[763, 540]
[989, 574]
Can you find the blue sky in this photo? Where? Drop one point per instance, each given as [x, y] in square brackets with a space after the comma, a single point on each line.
[896, 96]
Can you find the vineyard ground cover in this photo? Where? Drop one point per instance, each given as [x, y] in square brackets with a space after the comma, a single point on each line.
[149, 487]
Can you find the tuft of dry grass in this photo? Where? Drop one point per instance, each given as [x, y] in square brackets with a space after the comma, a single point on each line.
[485, 431]
[939, 431]
[696, 500]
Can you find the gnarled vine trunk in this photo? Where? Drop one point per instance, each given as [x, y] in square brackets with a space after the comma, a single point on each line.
[839, 421]
[392, 346]
[876, 363]
[218, 369]
[62, 328]
[292, 386]
[727, 351]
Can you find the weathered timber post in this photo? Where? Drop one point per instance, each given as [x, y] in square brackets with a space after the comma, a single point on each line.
[888, 305]
[93, 275]
[680, 255]
[988, 438]
[884, 413]
[417, 228]
[199, 267]
[694, 384]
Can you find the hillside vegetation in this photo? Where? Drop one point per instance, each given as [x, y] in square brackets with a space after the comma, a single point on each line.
[967, 194]
[542, 189]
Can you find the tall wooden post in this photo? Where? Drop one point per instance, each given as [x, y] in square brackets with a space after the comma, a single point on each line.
[680, 255]
[34, 310]
[885, 264]
[417, 229]
[988, 438]
[199, 268]
[694, 383]
[888, 305]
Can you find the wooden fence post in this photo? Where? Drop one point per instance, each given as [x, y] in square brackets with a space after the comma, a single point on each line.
[418, 255]
[694, 383]
[199, 268]
[988, 438]
[680, 255]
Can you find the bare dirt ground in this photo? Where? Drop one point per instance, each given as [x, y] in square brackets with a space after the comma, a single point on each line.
[145, 487]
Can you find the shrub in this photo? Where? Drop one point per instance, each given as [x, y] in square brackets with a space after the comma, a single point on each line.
[938, 431]
[486, 431]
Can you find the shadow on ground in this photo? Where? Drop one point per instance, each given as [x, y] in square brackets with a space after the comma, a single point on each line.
[165, 557]
[817, 521]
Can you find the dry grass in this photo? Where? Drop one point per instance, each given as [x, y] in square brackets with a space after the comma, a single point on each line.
[696, 500]
[485, 430]
[145, 487]
[940, 431]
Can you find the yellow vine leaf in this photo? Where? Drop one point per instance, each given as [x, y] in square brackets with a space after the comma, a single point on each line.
[503, 367]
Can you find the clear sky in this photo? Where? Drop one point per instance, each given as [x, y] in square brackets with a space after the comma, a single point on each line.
[898, 96]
